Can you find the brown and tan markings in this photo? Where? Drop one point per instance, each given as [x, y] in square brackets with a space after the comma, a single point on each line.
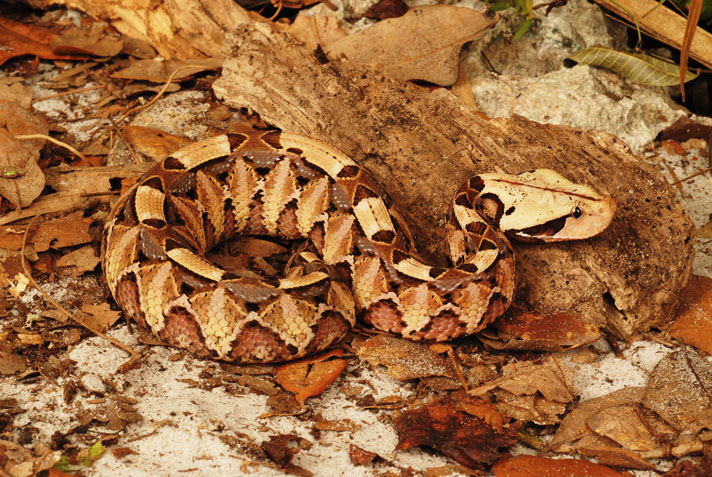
[354, 256]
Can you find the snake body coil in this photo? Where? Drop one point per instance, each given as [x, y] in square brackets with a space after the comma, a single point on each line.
[357, 257]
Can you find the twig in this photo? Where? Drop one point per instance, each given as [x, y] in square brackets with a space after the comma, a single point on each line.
[160, 93]
[65, 93]
[55, 141]
[81, 322]
[123, 138]
[698, 173]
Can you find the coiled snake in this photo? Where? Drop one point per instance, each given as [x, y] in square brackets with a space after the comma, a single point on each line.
[355, 257]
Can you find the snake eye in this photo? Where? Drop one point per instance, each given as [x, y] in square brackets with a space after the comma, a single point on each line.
[577, 213]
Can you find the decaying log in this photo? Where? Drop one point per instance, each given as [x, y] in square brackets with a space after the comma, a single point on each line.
[420, 145]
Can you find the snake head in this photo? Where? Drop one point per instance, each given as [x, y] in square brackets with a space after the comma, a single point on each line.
[542, 205]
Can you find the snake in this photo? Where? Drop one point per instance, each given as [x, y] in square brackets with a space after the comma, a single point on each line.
[345, 253]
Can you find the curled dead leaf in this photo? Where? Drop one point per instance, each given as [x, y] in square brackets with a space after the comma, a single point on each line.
[310, 377]
[443, 426]
[424, 44]
[405, 359]
[21, 179]
[528, 465]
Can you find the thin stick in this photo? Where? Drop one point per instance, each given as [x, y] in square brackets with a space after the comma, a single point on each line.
[65, 93]
[160, 93]
[28, 272]
[698, 173]
[126, 143]
[55, 141]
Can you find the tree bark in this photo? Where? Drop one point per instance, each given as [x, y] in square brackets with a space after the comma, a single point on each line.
[420, 145]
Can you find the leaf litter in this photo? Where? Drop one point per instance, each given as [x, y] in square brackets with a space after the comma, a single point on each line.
[169, 391]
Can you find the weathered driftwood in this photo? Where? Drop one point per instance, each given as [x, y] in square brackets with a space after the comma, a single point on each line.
[420, 145]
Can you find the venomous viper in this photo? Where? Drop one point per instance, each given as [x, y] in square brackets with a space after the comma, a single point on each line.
[358, 258]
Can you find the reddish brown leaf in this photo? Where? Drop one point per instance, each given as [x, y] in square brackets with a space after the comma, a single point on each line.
[405, 359]
[65, 232]
[310, 377]
[528, 465]
[693, 324]
[282, 448]
[359, 456]
[484, 410]
[555, 332]
[154, 143]
[441, 425]
[19, 39]
[387, 9]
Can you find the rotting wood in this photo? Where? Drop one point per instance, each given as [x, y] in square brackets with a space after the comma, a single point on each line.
[420, 145]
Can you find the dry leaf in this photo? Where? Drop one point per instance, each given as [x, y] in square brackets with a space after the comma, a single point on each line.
[679, 388]
[282, 448]
[64, 232]
[405, 359]
[316, 30]
[528, 465]
[550, 379]
[637, 67]
[21, 179]
[623, 425]
[463, 89]
[359, 456]
[157, 71]
[574, 426]
[387, 9]
[78, 262]
[154, 143]
[693, 324]
[457, 434]
[424, 44]
[19, 39]
[310, 377]
[16, 93]
[100, 317]
[94, 41]
[554, 332]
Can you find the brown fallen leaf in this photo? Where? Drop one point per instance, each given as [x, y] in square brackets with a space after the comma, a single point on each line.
[550, 378]
[405, 359]
[10, 363]
[16, 92]
[310, 377]
[316, 30]
[360, 456]
[21, 179]
[94, 41]
[574, 426]
[387, 9]
[63, 232]
[19, 39]
[100, 317]
[424, 44]
[160, 71]
[77, 262]
[154, 143]
[693, 323]
[528, 465]
[282, 448]
[442, 426]
[554, 332]
[679, 387]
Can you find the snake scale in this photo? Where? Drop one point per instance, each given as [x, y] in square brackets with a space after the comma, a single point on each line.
[354, 256]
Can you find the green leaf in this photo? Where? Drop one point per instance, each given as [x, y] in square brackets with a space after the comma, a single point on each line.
[64, 465]
[94, 452]
[498, 7]
[523, 28]
[636, 67]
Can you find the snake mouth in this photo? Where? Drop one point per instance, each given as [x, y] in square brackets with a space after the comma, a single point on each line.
[546, 232]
